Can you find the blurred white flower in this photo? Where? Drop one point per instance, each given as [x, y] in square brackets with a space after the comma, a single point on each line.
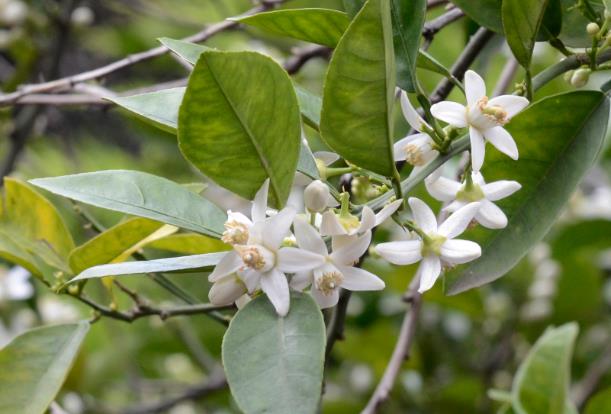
[485, 118]
[82, 16]
[14, 284]
[436, 243]
[54, 310]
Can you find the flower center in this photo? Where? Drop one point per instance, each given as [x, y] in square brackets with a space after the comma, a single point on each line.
[432, 245]
[329, 282]
[414, 155]
[470, 193]
[494, 113]
[256, 257]
[235, 232]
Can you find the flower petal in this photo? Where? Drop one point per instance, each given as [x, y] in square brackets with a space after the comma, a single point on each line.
[330, 225]
[423, 215]
[460, 251]
[478, 148]
[325, 301]
[359, 279]
[352, 251]
[292, 259]
[458, 221]
[399, 152]
[454, 206]
[327, 157]
[475, 87]
[442, 188]
[251, 279]
[503, 141]
[453, 113]
[368, 220]
[500, 189]
[411, 115]
[491, 216]
[387, 211]
[301, 280]
[429, 271]
[230, 263]
[276, 287]
[277, 228]
[259, 204]
[308, 237]
[401, 252]
[512, 104]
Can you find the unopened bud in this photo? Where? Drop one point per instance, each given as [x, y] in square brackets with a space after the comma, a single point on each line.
[580, 77]
[226, 290]
[592, 29]
[316, 196]
[82, 16]
[568, 75]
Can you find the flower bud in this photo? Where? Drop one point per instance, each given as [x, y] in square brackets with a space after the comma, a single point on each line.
[580, 77]
[82, 16]
[592, 29]
[568, 75]
[14, 13]
[227, 290]
[316, 196]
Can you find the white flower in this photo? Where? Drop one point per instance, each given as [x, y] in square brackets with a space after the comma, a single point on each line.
[336, 270]
[227, 290]
[14, 284]
[259, 261]
[460, 194]
[317, 196]
[417, 149]
[238, 226]
[346, 224]
[485, 118]
[436, 243]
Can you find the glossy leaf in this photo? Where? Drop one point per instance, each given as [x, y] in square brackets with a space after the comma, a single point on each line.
[140, 194]
[542, 381]
[307, 163]
[521, 22]
[321, 26]
[118, 243]
[188, 243]
[558, 138]
[274, 365]
[574, 22]
[352, 7]
[34, 365]
[359, 91]
[194, 263]
[186, 50]
[600, 403]
[240, 113]
[408, 19]
[310, 106]
[15, 253]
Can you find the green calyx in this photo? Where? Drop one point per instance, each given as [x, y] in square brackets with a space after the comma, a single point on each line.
[432, 245]
[347, 220]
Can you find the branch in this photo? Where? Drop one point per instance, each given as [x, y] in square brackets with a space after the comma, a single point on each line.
[582, 391]
[432, 27]
[336, 327]
[401, 351]
[507, 75]
[301, 56]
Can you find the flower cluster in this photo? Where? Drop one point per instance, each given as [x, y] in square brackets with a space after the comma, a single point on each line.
[274, 251]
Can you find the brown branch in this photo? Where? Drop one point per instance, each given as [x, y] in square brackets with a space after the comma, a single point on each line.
[432, 27]
[303, 55]
[336, 327]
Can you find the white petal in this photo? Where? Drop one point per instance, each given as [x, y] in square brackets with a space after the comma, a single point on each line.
[423, 215]
[337, 242]
[292, 259]
[326, 157]
[359, 279]
[308, 237]
[226, 291]
[301, 280]
[453, 113]
[475, 87]
[325, 301]
[401, 252]
[351, 252]
[478, 148]
[460, 251]
[387, 211]
[259, 204]
[411, 115]
[503, 141]
[442, 188]
[238, 217]
[330, 225]
[251, 279]
[454, 206]
[491, 216]
[276, 287]
[17, 285]
[512, 104]
[458, 221]
[230, 263]
[500, 189]
[477, 178]
[429, 271]
[277, 228]
[368, 220]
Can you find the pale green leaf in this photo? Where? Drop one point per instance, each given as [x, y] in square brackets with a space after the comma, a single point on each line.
[185, 50]
[521, 22]
[189, 243]
[408, 19]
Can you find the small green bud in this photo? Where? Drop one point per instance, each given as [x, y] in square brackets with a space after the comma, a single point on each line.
[592, 29]
[580, 77]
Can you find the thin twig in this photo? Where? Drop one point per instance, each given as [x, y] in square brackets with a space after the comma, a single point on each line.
[432, 27]
[336, 327]
[431, 4]
[303, 55]
[582, 391]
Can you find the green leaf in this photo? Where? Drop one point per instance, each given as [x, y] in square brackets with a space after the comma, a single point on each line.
[158, 108]
[321, 26]
[188, 243]
[310, 106]
[185, 50]
[14, 253]
[34, 366]
[115, 244]
[574, 23]
[359, 91]
[307, 163]
[288, 351]
[240, 113]
[542, 381]
[600, 403]
[140, 194]
[408, 19]
[194, 263]
[486, 13]
[352, 7]
[558, 138]
[428, 62]
[521, 22]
